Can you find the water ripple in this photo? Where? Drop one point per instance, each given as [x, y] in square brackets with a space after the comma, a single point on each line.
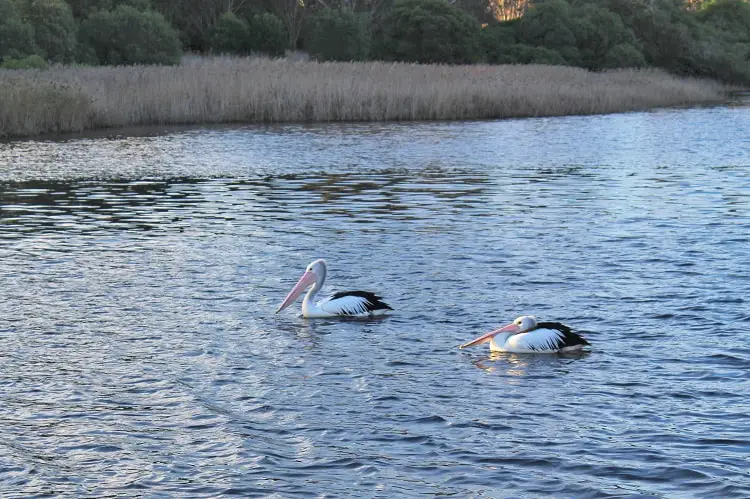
[141, 355]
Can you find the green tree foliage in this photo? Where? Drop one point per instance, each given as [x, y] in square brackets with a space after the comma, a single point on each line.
[598, 31]
[127, 35]
[712, 41]
[29, 62]
[230, 35]
[263, 34]
[500, 46]
[54, 28]
[518, 53]
[551, 25]
[291, 13]
[427, 31]
[687, 43]
[84, 8]
[16, 36]
[500, 34]
[268, 35]
[478, 9]
[586, 35]
[338, 35]
[623, 55]
[731, 18]
[662, 28]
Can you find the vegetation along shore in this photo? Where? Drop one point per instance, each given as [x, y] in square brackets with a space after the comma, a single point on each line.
[70, 65]
[253, 90]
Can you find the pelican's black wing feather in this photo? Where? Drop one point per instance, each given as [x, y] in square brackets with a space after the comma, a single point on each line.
[358, 302]
[567, 338]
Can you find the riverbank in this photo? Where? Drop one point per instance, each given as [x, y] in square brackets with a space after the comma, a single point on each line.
[256, 90]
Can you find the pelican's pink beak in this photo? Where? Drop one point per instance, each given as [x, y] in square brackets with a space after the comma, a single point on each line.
[307, 279]
[510, 328]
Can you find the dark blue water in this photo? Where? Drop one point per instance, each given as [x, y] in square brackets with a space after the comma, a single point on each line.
[141, 356]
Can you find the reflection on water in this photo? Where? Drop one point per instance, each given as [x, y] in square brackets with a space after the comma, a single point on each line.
[141, 354]
[518, 365]
[166, 204]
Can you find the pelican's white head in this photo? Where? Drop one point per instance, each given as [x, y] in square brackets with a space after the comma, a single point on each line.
[315, 273]
[525, 323]
[522, 324]
[318, 267]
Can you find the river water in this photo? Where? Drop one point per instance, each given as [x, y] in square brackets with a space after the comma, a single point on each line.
[139, 277]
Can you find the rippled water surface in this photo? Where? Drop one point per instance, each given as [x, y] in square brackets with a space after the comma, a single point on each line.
[141, 355]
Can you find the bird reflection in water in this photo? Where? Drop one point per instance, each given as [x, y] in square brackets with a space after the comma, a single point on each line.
[521, 365]
[309, 334]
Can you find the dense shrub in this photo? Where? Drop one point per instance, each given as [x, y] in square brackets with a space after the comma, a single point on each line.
[503, 34]
[29, 62]
[598, 31]
[127, 35]
[479, 10]
[518, 53]
[230, 35]
[586, 35]
[267, 35]
[54, 28]
[550, 25]
[338, 35]
[16, 36]
[710, 41]
[84, 8]
[688, 43]
[715, 57]
[623, 55]
[262, 34]
[427, 31]
[662, 29]
[731, 18]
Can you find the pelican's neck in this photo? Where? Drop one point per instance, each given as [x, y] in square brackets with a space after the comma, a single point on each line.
[308, 304]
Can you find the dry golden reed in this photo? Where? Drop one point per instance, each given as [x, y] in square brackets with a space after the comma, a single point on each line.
[251, 90]
[29, 106]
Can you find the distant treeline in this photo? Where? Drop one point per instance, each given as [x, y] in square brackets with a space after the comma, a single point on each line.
[708, 39]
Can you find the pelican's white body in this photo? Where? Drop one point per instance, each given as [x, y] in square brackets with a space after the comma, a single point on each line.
[336, 307]
[537, 341]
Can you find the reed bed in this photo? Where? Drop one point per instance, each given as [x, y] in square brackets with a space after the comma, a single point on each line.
[257, 90]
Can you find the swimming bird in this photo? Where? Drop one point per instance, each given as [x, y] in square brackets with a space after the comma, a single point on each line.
[343, 303]
[526, 335]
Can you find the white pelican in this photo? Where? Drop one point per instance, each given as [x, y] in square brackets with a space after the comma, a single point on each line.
[343, 303]
[526, 335]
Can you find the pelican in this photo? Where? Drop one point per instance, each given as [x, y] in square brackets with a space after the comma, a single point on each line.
[343, 303]
[526, 335]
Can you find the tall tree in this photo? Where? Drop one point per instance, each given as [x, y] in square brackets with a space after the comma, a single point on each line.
[127, 35]
[338, 35]
[16, 36]
[292, 13]
[54, 28]
[196, 18]
[428, 31]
